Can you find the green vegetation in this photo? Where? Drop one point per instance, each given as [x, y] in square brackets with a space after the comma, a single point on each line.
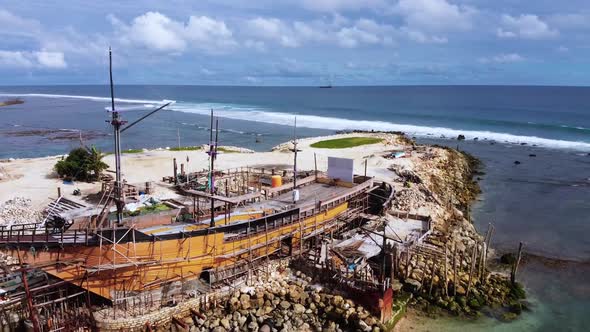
[83, 164]
[147, 210]
[226, 150]
[185, 148]
[133, 151]
[348, 142]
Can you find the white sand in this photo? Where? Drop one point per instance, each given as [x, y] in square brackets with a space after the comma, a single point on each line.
[34, 179]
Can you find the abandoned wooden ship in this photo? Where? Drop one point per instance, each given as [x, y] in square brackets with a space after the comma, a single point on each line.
[140, 255]
[233, 221]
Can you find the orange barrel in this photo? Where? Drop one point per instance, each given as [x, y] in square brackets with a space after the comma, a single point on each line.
[276, 181]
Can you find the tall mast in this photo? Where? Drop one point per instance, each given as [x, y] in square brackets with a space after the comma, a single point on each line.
[295, 155]
[212, 156]
[116, 122]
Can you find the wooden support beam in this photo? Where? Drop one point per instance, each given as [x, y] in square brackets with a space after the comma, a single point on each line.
[179, 322]
[516, 263]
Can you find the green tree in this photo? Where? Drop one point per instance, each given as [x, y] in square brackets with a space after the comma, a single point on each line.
[81, 164]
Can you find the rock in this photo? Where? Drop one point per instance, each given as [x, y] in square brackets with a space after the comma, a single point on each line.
[18, 210]
[219, 329]
[363, 326]
[396, 285]
[508, 316]
[461, 290]
[508, 258]
[298, 308]
[474, 303]
[285, 305]
[461, 137]
[294, 294]
[516, 162]
[337, 301]
[245, 301]
[412, 285]
[253, 326]
[532, 155]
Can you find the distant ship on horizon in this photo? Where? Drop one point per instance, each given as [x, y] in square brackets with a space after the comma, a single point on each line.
[328, 85]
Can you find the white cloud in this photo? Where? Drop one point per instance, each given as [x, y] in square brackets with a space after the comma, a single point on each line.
[423, 38]
[434, 15]
[342, 5]
[15, 59]
[337, 32]
[257, 45]
[503, 58]
[51, 59]
[273, 29]
[158, 32]
[14, 25]
[25, 59]
[525, 26]
[365, 31]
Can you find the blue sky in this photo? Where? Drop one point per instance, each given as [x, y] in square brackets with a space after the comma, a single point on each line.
[305, 42]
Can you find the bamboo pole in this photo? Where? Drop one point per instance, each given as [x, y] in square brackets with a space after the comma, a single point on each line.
[432, 275]
[455, 270]
[473, 259]
[446, 278]
[516, 263]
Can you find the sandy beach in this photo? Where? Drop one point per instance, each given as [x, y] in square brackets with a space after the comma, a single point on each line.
[35, 179]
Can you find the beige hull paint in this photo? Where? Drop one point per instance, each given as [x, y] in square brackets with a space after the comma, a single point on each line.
[145, 265]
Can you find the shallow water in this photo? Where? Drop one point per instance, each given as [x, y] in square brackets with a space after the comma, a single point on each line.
[542, 202]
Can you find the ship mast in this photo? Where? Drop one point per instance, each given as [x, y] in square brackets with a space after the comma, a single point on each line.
[117, 124]
[295, 158]
[212, 156]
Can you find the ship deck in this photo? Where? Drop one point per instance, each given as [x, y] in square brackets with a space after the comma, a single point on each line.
[309, 195]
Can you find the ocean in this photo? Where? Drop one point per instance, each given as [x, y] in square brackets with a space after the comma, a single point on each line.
[543, 201]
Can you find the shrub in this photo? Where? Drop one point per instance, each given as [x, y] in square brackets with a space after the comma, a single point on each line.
[82, 164]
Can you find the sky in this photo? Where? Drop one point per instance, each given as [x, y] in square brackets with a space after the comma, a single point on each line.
[289, 42]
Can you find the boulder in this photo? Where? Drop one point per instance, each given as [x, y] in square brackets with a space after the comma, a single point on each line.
[285, 305]
[298, 308]
[412, 285]
[245, 301]
[225, 323]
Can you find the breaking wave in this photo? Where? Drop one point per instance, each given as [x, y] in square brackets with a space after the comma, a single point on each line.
[256, 114]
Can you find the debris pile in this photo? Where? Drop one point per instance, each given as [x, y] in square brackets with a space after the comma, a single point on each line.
[18, 210]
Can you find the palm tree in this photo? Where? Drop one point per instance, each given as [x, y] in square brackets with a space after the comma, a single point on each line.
[94, 163]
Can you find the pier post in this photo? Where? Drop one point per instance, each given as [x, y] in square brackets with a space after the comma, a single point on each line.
[446, 274]
[516, 263]
[455, 270]
[473, 259]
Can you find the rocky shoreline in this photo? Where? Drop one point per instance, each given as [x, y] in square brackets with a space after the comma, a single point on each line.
[458, 281]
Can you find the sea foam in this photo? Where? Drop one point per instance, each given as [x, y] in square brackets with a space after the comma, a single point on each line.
[247, 113]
